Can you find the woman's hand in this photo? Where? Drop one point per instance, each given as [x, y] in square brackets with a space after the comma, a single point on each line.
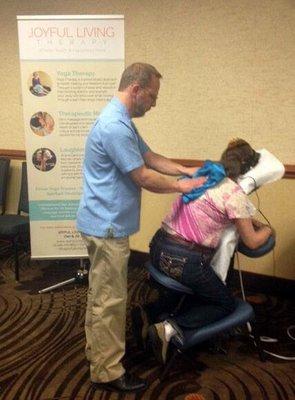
[251, 234]
[258, 224]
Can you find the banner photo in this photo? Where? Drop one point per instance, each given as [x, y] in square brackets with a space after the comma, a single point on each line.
[70, 68]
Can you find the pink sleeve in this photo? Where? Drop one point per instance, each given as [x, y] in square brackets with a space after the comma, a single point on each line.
[237, 204]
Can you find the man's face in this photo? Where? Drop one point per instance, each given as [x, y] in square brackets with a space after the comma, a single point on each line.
[146, 98]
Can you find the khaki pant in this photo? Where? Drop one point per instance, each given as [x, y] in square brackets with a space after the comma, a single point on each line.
[106, 306]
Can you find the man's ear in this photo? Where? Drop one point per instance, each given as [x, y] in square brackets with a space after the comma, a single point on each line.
[134, 89]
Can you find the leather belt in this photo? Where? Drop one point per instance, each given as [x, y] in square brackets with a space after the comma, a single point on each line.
[191, 245]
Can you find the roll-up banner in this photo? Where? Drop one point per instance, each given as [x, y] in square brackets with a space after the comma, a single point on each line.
[70, 68]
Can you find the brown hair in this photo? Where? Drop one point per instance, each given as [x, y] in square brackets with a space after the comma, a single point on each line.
[238, 158]
[138, 72]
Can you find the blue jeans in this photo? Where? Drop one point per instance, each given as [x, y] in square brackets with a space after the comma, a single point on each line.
[212, 300]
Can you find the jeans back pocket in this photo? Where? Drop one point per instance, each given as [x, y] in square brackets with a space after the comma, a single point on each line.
[172, 265]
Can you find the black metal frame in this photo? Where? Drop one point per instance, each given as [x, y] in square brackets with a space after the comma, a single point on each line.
[23, 207]
[4, 172]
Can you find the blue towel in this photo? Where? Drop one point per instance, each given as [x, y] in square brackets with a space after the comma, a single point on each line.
[215, 173]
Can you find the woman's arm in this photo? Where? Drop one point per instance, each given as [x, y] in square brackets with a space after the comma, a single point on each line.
[252, 235]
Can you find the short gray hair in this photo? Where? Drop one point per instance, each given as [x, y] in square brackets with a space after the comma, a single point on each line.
[138, 72]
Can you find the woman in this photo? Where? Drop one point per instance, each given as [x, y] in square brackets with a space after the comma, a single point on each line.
[42, 123]
[190, 234]
[38, 88]
[46, 122]
[44, 160]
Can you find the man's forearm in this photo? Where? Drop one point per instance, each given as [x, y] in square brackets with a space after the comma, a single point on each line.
[163, 164]
[154, 182]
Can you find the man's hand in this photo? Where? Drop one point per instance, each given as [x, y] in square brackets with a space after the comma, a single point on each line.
[189, 171]
[187, 185]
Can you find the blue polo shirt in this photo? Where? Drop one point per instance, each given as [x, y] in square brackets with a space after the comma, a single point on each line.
[110, 203]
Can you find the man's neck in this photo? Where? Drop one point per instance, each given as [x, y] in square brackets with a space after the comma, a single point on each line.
[125, 99]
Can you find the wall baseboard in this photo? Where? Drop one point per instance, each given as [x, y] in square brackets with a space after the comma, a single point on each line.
[253, 283]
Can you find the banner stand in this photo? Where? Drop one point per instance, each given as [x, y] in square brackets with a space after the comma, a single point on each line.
[81, 277]
[70, 69]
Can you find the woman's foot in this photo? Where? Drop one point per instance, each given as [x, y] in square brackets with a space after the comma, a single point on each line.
[160, 335]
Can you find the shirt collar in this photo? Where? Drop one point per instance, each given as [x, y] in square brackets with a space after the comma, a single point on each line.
[119, 105]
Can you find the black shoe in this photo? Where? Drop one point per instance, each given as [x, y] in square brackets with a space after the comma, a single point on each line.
[140, 325]
[126, 383]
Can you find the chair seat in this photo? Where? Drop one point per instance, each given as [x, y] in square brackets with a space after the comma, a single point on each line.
[242, 314]
[166, 281]
[12, 225]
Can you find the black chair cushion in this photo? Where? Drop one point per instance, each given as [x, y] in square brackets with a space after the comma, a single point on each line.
[12, 225]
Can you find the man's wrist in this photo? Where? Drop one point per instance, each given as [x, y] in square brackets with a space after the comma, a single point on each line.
[177, 186]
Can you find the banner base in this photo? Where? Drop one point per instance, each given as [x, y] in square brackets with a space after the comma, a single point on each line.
[81, 277]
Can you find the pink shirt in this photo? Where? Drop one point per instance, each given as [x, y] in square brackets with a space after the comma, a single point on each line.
[203, 220]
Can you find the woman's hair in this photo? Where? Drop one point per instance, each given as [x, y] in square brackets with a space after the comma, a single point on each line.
[35, 123]
[238, 158]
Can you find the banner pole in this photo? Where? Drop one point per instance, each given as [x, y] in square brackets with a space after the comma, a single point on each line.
[81, 277]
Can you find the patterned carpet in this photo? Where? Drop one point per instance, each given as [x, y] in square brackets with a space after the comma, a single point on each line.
[42, 345]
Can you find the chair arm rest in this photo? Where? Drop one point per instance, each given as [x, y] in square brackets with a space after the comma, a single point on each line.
[260, 251]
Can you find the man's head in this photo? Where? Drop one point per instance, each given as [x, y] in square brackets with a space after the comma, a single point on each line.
[238, 158]
[139, 87]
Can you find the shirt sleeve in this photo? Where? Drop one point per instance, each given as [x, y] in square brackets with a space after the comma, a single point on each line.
[123, 146]
[143, 147]
[237, 204]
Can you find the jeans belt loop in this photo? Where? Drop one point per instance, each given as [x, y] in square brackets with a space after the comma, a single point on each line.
[191, 245]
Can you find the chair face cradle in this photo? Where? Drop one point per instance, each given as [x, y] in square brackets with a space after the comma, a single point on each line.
[15, 228]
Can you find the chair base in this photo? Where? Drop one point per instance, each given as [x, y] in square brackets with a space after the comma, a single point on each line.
[199, 366]
[242, 315]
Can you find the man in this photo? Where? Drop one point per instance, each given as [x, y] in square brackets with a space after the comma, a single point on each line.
[118, 163]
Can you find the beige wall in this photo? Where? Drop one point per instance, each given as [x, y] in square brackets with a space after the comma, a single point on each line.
[228, 68]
